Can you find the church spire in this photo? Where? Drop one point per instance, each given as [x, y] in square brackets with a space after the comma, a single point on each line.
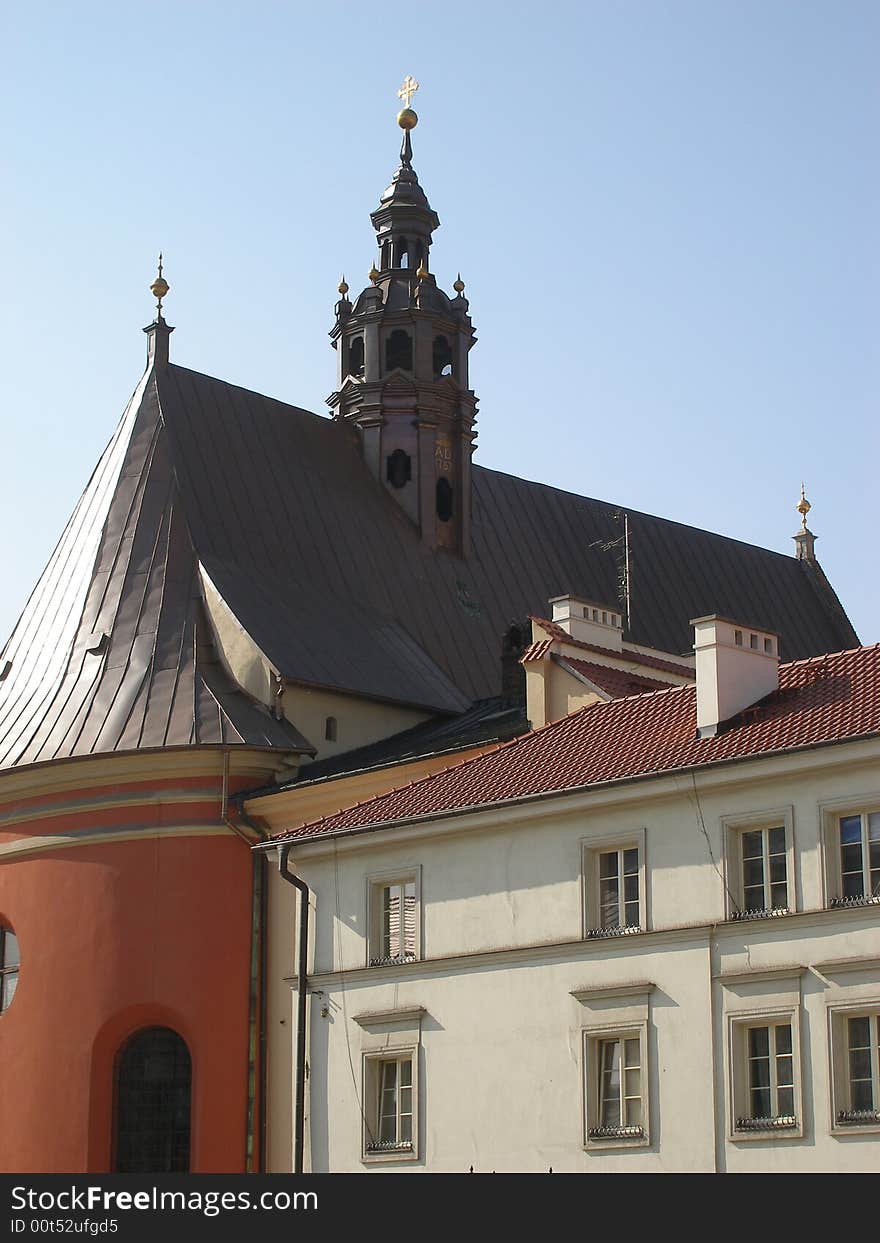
[158, 333]
[402, 373]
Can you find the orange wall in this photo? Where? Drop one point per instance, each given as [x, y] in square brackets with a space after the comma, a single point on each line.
[115, 937]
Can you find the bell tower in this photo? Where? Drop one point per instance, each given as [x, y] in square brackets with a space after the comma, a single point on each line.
[402, 363]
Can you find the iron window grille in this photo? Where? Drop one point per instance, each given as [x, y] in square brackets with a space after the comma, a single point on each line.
[859, 846]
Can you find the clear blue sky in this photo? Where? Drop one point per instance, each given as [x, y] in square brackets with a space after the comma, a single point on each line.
[665, 212]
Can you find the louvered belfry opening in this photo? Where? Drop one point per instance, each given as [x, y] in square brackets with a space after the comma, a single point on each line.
[153, 1104]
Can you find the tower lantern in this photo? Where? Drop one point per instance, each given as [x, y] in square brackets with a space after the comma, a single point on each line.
[402, 363]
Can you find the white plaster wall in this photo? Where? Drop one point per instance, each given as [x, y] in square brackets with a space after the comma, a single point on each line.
[500, 1044]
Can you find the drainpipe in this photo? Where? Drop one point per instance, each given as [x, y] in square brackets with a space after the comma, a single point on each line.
[257, 987]
[302, 998]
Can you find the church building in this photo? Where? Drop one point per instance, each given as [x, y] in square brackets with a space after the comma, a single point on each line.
[255, 616]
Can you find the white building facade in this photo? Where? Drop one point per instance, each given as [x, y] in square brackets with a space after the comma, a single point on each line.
[672, 972]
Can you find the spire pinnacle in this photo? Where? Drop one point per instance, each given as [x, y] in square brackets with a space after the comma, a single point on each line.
[803, 507]
[342, 286]
[159, 288]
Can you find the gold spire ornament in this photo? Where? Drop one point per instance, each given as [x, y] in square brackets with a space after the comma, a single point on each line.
[159, 288]
[342, 286]
[406, 118]
[422, 273]
[803, 507]
[374, 274]
[458, 284]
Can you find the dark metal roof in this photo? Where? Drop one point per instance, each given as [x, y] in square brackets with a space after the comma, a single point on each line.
[113, 651]
[327, 575]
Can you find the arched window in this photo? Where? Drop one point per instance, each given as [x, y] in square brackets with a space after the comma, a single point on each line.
[386, 255]
[153, 1091]
[398, 351]
[356, 357]
[442, 357]
[403, 253]
[330, 729]
[398, 468]
[9, 962]
[444, 499]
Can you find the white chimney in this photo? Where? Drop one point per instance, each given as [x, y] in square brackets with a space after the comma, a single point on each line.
[736, 666]
[589, 622]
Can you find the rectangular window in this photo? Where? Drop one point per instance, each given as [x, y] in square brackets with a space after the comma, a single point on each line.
[770, 1075]
[615, 1081]
[393, 920]
[759, 870]
[620, 1091]
[764, 871]
[390, 1115]
[765, 1075]
[614, 887]
[862, 1072]
[859, 844]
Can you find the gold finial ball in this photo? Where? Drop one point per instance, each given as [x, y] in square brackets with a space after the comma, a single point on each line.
[159, 287]
[423, 272]
[373, 274]
[407, 119]
[458, 285]
[342, 287]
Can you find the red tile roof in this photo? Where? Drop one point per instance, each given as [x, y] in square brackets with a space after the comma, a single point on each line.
[615, 682]
[823, 700]
[636, 658]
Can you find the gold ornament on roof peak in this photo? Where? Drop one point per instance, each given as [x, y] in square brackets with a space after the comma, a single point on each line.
[374, 274]
[407, 118]
[159, 288]
[422, 273]
[458, 284]
[803, 507]
[342, 287]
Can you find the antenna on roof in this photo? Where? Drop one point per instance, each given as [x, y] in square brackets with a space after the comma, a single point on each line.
[621, 547]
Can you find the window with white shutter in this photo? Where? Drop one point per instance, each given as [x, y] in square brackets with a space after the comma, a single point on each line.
[394, 920]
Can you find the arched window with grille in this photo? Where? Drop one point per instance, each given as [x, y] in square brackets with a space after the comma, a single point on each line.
[153, 1103]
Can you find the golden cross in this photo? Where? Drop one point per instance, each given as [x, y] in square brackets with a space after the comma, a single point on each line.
[409, 88]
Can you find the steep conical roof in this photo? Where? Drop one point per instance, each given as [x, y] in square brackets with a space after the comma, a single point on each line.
[113, 651]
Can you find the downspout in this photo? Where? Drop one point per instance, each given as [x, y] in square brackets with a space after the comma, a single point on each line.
[302, 998]
[256, 987]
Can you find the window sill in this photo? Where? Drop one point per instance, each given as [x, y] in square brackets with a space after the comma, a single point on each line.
[602, 1138]
[857, 1122]
[772, 913]
[621, 931]
[391, 1152]
[838, 903]
[764, 1126]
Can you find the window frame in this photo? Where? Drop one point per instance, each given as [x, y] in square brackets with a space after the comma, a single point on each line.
[376, 882]
[839, 1015]
[734, 829]
[831, 813]
[8, 972]
[592, 848]
[594, 1038]
[739, 1023]
[373, 1061]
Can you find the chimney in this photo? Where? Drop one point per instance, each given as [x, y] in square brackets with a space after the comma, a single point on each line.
[736, 666]
[589, 622]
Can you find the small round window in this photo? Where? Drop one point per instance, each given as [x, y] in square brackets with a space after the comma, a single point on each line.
[9, 961]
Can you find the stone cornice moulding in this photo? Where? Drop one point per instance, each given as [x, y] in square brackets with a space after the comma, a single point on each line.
[609, 992]
[378, 1018]
[790, 971]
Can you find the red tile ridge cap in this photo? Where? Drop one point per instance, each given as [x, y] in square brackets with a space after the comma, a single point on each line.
[636, 658]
